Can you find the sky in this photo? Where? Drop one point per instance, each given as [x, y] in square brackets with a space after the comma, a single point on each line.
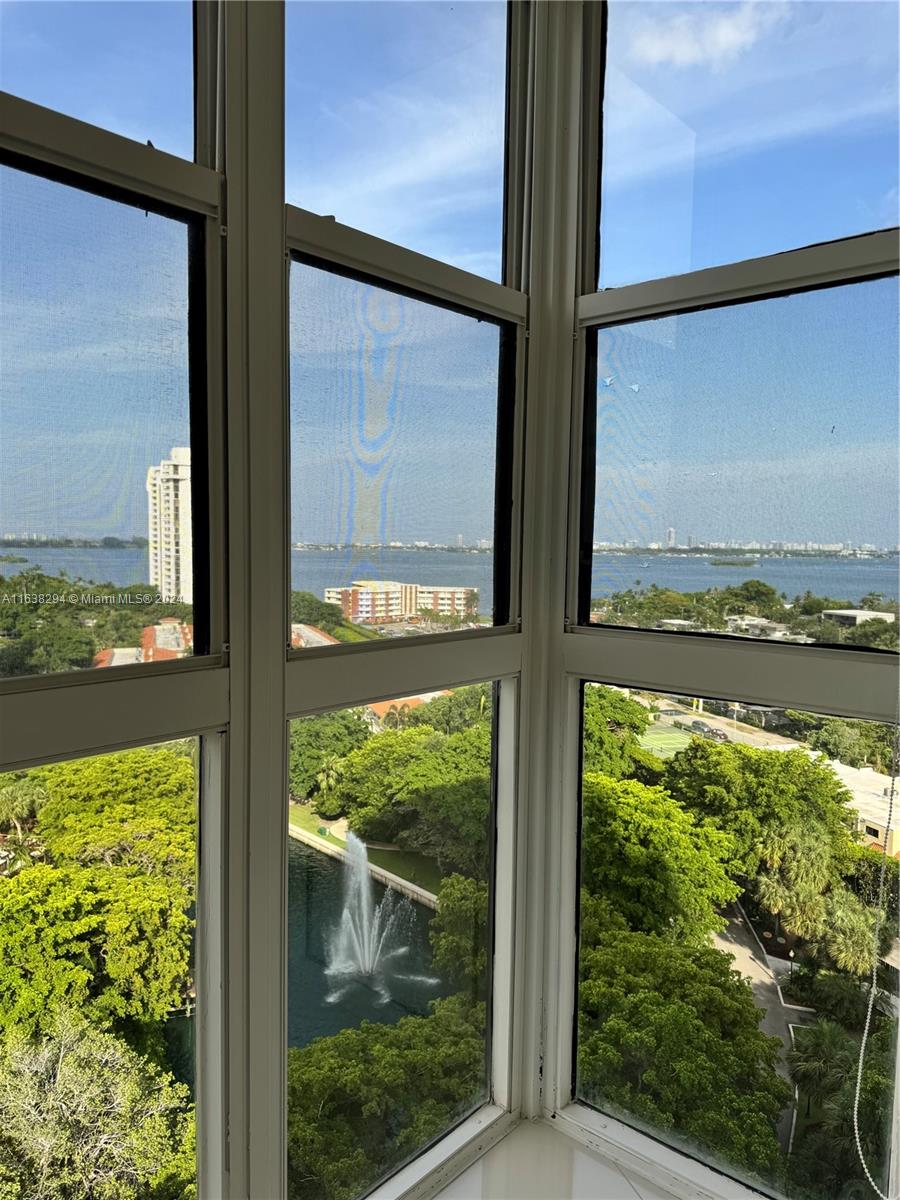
[731, 129]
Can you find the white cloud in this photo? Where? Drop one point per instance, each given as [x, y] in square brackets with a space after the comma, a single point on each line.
[711, 36]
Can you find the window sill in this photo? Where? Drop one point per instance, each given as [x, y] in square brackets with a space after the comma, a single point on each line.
[582, 1155]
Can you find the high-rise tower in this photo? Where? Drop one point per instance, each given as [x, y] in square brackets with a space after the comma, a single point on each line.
[169, 513]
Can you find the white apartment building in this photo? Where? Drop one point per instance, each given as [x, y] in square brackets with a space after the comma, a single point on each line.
[376, 600]
[169, 517]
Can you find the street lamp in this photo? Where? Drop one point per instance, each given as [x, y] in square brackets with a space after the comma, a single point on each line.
[791, 957]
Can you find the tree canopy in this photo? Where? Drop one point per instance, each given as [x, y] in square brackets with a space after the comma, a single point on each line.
[135, 809]
[670, 1033]
[83, 1117]
[652, 861]
[315, 740]
[460, 709]
[612, 724]
[756, 794]
[102, 940]
[458, 934]
[363, 1099]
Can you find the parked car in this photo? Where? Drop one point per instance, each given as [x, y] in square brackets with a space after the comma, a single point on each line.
[671, 712]
[701, 727]
[717, 735]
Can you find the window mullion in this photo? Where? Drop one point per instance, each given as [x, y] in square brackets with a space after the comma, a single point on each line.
[554, 211]
[256, 348]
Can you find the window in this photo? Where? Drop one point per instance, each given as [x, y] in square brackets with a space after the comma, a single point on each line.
[410, 96]
[127, 67]
[98, 888]
[332, 421]
[746, 476]
[101, 398]
[397, 468]
[737, 130]
[736, 933]
[389, 882]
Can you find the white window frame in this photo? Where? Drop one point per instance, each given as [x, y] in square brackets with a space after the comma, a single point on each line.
[817, 678]
[240, 697]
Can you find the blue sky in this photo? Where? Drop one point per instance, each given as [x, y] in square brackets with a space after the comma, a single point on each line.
[732, 129]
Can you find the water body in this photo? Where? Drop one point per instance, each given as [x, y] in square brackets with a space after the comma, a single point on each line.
[316, 897]
[314, 570]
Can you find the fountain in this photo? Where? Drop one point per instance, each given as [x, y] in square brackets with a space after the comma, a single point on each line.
[365, 945]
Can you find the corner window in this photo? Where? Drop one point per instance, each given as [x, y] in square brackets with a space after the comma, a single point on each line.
[389, 945]
[738, 940]
[102, 542]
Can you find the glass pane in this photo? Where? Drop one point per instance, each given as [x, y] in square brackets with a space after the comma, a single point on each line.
[127, 66]
[96, 555]
[747, 471]
[411, 99]
[388, 934]
[739, 925]
[738, 129]
[394, 463]
[98, 885]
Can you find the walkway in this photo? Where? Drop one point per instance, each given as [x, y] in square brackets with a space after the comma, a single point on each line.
[737, 939]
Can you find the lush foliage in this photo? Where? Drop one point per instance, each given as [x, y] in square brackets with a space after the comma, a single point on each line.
[650, 859]
[137, 809]
[671, 1034]
[39, 634]
[103, 940]
[612, 725]
[708, 610]
[458, 710]
[422, 789]
[316, 741]
[755, 795]
[458, 934]
[362, 1100]
[83, 1117]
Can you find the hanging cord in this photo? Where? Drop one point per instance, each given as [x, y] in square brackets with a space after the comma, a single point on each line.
[873, 983]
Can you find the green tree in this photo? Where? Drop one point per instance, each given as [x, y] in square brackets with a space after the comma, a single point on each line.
[612, 724]
[103, 940]
[82, 1117]
[655, 864]
[670, 1033]
[457, 711]
[796, 871]
[315, 740]
[756, 794]
[822, 1056]
[849, 932]
[458, 934]
[21, 797]
[307, 609]
[135, 809]
[363, 1100]
[442, 802]
[371, 777]
[876, 633]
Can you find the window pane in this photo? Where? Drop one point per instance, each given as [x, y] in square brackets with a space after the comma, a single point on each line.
[735, 932]
[410, 99]
[96, 552]
[736, 130]
[98, 885]
[394, 463]
[125, 66]
[746, 470]
[388, 933]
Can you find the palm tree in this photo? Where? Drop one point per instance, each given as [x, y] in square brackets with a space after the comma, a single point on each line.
[329, 774]
[821, 1059]
[849, 934]
[20, 800]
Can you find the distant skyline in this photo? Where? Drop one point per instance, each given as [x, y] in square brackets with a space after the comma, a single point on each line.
[732, 129]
